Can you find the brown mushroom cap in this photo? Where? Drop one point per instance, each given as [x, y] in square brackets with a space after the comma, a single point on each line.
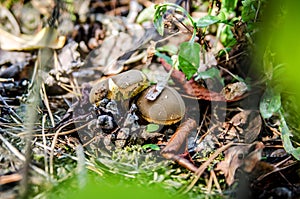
[127, 84]
[99, 91]
[122, 86]
[168, 108]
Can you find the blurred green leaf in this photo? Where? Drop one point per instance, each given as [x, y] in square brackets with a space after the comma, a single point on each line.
[207, 20]
[189, 58]
[209, 74]
[227, 37]
[165, 57]
[268, 60]
[152, 127]
[270, 103]
[158, 20]
[285, 136]
[249, 10]
[151, 146]
[229, 5]
[222, 15]
[171, 49]
[146, 14]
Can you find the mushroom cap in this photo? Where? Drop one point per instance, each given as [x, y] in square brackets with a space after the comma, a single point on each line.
[122, 86]
[168, 108]
[98, 91]
[127, 84]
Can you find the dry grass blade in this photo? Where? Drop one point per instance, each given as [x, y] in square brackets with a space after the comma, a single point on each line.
[202, 168]
[20, 156]
[46, 102]
[52, 149]
[10, 147]
[44, 144]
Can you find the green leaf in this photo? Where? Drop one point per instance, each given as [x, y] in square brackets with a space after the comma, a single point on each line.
[151, 146]
[285, 137]
[270, 103]
[229, 5]
[207, 20]
[146, 14]
[158, 20]
[268, 60]
[222, 15]
[250, 13]
[227, 37]
[171, 49]
[152, 128]
[209, 74]
[165, 57]
[189, 58]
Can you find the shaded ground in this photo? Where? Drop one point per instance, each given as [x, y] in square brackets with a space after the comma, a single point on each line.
[57, 138]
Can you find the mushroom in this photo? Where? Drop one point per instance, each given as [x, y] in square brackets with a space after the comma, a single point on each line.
[168, 108]
[122, 86]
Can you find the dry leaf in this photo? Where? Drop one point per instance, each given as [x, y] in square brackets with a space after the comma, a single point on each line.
[234, 90]
[47, 37]
[237, 156]
[248, 124]
[114, 52]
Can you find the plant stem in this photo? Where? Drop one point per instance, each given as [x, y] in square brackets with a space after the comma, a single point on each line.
[182, 10]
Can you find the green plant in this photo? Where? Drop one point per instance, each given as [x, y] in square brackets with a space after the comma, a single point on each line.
[189, 52]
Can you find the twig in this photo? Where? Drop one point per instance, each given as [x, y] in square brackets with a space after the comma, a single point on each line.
[216, 181]
[232, 57]
[75, 85]
[230, 73]
[202, 168]
[257, 11]
[200, 126]
[65, 86]
[15, 177]
[209, 183]
[62, 133]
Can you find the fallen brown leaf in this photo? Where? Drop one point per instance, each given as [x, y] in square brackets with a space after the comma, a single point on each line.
[194, 89]
[237, 156]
